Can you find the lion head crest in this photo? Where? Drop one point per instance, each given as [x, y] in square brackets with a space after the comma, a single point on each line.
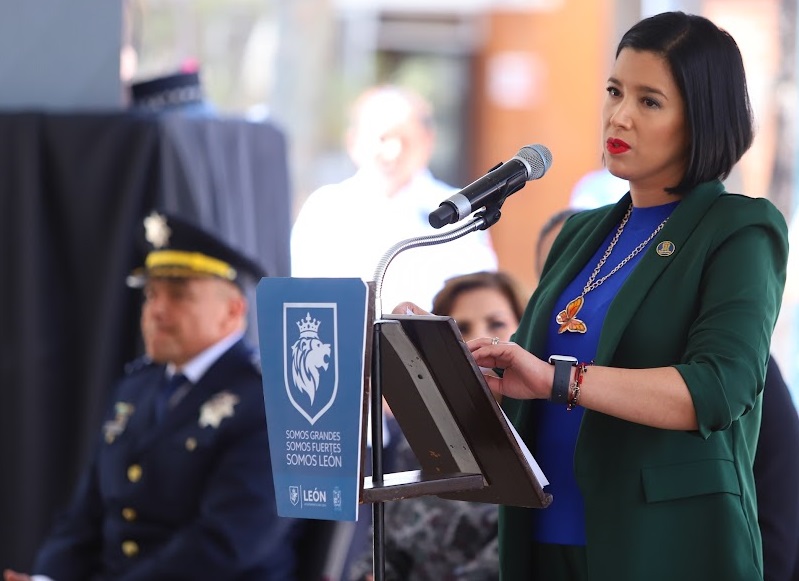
[308, 355]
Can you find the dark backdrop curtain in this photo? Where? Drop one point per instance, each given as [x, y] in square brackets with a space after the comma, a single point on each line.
[73, 191]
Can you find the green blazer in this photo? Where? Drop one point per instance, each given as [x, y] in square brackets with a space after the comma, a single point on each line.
[663, 504]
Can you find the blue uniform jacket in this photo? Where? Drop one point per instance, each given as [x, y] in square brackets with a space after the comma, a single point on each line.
[189, 498]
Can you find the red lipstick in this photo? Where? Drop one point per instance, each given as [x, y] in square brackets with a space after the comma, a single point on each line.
[616, 146]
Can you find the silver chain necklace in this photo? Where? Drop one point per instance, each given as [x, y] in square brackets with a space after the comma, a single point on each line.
[567, 318]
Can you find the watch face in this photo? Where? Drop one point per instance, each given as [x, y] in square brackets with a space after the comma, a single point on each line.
[567, 358]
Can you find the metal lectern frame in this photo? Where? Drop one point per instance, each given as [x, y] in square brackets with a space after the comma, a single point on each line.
[381, 487]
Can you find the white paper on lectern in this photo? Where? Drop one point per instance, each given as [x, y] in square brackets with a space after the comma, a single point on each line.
[539, 474]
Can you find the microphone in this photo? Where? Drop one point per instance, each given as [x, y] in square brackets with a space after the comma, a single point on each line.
[531, 163]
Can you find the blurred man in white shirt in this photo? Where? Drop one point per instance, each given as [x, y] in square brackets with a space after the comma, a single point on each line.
[344, 229]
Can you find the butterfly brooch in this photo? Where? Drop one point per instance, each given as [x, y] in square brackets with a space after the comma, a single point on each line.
[567, 318]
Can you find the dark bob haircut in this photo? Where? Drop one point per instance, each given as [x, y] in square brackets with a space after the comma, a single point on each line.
[708, 69]
[454, 287]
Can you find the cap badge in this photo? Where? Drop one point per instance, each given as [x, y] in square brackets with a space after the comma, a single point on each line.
[156, 230]
[217, 409]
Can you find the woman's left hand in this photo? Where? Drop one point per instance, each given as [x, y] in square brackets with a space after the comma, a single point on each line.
[525, 376]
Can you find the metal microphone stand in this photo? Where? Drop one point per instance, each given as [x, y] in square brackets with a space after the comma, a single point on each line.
[480, 221]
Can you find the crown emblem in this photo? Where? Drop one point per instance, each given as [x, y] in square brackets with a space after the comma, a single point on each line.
[156, 230]
[308, 326]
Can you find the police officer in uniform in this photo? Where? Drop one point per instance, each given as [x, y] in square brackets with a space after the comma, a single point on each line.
[180, 486]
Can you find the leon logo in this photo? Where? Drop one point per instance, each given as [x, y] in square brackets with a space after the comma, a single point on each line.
[294, 495]
[310, 366]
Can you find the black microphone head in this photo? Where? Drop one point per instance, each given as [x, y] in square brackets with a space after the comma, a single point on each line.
[537, 158]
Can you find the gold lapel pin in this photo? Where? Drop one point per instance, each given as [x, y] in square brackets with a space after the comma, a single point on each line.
[665, 248]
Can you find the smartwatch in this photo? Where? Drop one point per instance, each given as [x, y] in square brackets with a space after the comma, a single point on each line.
[563, 372]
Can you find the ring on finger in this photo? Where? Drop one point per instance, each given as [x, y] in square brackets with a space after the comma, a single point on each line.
[495, 341]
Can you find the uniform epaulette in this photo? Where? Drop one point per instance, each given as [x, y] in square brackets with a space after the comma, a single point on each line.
[138, 364]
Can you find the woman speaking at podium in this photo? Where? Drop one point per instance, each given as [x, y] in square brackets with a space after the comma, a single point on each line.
[636, 374]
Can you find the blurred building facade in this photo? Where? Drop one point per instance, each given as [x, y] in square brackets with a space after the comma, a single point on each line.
[500, 73]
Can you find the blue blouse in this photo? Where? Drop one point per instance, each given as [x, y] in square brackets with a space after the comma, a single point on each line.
[556, 430]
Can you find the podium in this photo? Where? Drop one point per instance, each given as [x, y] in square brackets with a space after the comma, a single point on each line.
[466, 448]
[329, 360]
[465, 445]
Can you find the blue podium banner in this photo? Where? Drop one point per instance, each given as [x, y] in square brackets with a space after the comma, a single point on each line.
[312, 335]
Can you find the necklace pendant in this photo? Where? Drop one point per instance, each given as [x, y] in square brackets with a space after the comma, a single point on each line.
[567, 318]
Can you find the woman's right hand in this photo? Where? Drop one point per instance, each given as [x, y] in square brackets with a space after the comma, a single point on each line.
[525, 376]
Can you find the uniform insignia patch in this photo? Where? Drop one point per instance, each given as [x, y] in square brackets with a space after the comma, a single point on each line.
[113, 428]
[217, 409]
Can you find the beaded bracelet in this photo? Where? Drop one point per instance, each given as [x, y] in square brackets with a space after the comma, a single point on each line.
[574, 396]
